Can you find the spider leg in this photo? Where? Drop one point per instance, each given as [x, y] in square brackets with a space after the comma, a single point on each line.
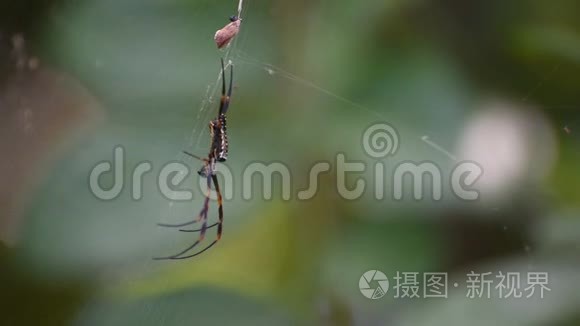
[197, 242]
[225, 99]
[197, 230]
[220, 207]
[205, 206]
[177, 257]
[196, 220]
[219, 224]
[220, 211]
[195, 156]
[204, 227]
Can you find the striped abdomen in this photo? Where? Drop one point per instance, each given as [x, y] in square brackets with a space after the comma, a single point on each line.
[218, 130]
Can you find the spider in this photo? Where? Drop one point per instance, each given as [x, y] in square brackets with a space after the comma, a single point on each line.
[218, 153]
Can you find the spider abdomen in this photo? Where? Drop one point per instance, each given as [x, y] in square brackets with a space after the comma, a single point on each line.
[218, 130]
[223, 139]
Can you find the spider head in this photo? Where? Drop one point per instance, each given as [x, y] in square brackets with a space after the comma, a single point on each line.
[202, 172]
[234, 18]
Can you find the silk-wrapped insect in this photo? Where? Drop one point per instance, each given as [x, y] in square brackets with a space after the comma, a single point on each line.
[223, 36]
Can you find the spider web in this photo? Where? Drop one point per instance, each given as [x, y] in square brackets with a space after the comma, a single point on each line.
[212, 91]
[273, 70]
[234, 55]
[198, 140]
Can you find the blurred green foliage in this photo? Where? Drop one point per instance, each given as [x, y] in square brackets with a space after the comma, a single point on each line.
[310, 76]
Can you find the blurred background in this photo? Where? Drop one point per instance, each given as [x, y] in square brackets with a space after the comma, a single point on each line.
[490, 81]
